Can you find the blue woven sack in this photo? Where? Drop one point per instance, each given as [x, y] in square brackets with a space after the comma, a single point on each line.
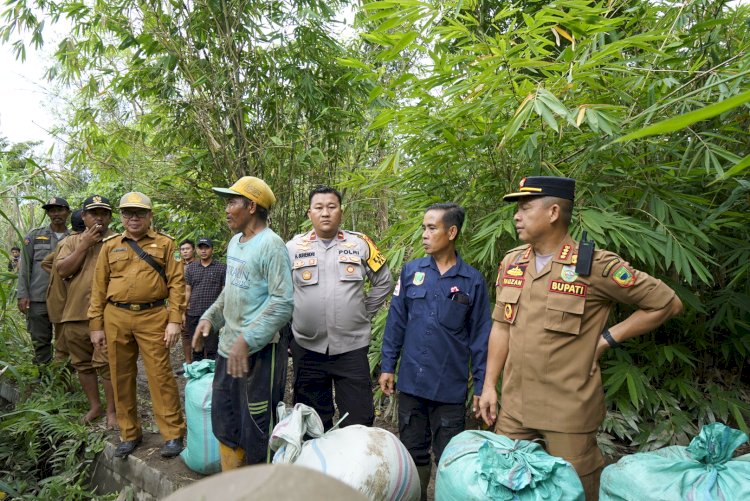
[202, 451]
[479, 465]
[702, 471]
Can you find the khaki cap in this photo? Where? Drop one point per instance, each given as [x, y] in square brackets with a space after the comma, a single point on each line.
[250, 187]
[135, 199]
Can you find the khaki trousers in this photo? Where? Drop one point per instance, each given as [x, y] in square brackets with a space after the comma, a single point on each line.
[579, 449]
[128, 333]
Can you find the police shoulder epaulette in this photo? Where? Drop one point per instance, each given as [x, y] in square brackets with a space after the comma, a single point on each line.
[376, 259]
[165, 234]
[110, 237]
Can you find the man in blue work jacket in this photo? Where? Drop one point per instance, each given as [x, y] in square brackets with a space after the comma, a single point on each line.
[439, 323]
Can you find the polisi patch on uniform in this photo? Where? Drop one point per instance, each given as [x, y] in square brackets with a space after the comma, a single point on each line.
[611, 264]
[624, 277]
[575, 289]
[568, 273]
[350, 270]
[353, 252]
[418, 278]
[306, 275]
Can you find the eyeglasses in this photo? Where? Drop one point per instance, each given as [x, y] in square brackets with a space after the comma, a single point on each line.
[130, 214]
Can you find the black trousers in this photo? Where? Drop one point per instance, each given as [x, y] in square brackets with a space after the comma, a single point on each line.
[210, 342]
[243, 410]
[423, 422]
[316, 373]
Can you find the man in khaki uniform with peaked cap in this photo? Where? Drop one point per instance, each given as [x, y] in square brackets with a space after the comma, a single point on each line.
[549, 329]
[137, 272]
[75, 262]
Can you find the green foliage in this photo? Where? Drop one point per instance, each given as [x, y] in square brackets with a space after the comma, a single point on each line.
[495, 92]
[45, 450]
[644, 103]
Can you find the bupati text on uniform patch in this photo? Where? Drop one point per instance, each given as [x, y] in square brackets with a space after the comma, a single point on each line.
[574, 289]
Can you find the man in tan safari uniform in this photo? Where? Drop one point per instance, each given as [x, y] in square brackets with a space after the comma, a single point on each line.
[549, 329]
[137, 272]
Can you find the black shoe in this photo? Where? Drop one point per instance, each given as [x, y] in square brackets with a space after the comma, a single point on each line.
[126, 448]
[171, 448]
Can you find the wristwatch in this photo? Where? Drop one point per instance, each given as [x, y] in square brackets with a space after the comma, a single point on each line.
[610, 340]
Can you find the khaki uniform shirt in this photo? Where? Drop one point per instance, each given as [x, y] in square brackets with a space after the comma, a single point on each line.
[32, 279]
[57, 290]
[79, 285]
[122, 277]
[331, 310]
[554, 318]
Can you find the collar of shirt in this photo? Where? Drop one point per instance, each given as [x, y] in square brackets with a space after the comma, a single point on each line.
[150, 234]
[457, 269]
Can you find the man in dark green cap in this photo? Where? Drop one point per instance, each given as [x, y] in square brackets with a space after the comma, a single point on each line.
[550, 328]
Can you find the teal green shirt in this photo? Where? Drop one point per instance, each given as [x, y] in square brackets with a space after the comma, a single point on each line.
[257, 299]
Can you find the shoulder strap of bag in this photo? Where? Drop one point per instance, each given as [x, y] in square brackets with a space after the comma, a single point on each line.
[146, 257]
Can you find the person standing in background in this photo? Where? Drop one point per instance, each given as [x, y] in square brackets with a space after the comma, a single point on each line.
[33, 280]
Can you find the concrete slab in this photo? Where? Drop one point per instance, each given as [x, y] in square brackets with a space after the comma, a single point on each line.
[146, 475]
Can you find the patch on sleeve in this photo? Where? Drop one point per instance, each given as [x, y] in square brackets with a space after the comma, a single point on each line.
[611, 264]
[376, 259]
[177, 256]
[509, 311]
[397, 290]
[624, 277]
[26, 241]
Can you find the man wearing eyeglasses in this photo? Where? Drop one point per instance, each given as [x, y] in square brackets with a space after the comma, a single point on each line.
[137, 301]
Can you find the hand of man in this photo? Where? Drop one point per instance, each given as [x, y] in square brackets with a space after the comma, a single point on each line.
[488, 404]
[98, 339]
[171, 334]
[23, 305]
[184, 321]
[203, 329]
[601, 347]
[387, 383]
[237, 361]
[91, 236]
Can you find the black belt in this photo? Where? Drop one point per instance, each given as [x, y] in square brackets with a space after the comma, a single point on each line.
[138, 306]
